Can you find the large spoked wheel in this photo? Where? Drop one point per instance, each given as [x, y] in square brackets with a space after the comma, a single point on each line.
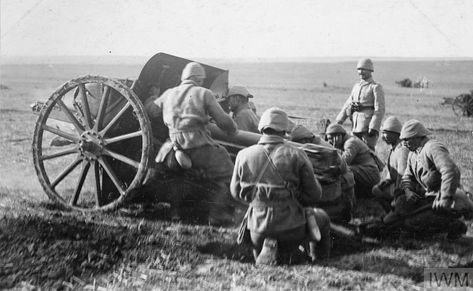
[91, 144]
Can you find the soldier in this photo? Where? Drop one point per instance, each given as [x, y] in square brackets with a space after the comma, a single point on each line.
[185, 110]
[365, 106]
[339, 203]
[243, 114]
[390, 183]
[359, 158]
[301, 134]
[430, 182]
[277, 181]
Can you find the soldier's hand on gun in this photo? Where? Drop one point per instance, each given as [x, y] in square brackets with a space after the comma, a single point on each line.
[442, 203]
[412, 196]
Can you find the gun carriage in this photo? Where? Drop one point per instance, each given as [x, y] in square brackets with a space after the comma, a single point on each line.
[94, 144]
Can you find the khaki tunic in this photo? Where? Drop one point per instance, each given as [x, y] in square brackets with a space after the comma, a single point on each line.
[246, 119]
[368, 94]
[431, 167]
[395, 168]
[275, 204]
[186, 110]
[359, 159]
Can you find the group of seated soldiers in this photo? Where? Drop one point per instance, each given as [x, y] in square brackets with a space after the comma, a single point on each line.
[419, 185]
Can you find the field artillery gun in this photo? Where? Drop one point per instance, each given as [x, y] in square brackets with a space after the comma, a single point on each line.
[462, 105]
[94, 145]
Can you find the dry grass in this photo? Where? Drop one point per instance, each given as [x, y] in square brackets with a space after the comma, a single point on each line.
[43, 246]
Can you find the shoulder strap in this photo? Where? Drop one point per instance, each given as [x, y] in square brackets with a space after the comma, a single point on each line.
[268, 155]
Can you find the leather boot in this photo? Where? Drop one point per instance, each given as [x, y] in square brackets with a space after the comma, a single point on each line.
[269, 252]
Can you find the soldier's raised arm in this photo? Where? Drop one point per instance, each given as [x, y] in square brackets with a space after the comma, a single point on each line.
[223, 120]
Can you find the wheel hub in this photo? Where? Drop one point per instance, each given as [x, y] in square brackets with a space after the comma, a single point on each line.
[91, 145]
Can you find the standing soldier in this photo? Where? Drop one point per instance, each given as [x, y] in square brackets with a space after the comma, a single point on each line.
[277, 180]
[185, 110]
[389, 186]
[359, 158]
[365, 106]
[243, 114]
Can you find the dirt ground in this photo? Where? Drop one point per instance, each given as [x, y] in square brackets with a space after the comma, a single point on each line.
[140, 248]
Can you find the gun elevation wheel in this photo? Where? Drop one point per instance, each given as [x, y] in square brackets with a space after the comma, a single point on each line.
[91, 144]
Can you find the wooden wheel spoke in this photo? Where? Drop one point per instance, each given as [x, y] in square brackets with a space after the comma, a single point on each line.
[121, 158]
[115, 118]
[59, 154]
[61, 133]
[102, 108]
[123, 137]
[70, 116]
[80, 182]
[112, 176]
[98, 188]
[66, 172]
[85, 106]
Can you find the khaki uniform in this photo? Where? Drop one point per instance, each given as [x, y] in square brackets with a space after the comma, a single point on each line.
[360, 160]
[391, 176]
[338, 196]
[370, 96]
[432, 173]
[431, 167]
[275, 204]
[185, 110]
[246, 119]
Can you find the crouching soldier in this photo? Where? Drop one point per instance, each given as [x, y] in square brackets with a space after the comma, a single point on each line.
[359, 158]
[431, 201]
[277, 181]
[185, 110]
[390, 183]
[338, 198]
[243, 115]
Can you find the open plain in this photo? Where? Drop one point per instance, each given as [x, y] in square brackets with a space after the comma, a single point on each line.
[44, 246]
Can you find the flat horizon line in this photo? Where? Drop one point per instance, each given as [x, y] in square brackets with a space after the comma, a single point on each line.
[132, 60]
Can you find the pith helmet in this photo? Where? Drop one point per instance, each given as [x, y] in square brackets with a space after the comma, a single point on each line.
[335, 128]
[392, 124]
[239, 90]
[300, 132]
[413, 128]
[193, 69]
[366, 64]
[274, 118]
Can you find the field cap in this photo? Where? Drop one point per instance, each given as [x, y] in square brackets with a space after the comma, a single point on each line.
[300, 132]
[274, 118]
[239, 90]
[413, 128]
[335, 128]
[193, 69]
[366, 64]
[392, 124]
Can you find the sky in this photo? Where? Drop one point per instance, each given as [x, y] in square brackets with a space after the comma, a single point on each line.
[237, 28]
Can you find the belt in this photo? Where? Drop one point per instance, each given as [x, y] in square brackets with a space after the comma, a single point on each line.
[272, 203]
[358, 108]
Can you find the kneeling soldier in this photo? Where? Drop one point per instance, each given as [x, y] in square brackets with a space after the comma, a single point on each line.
[278, 182]
[389, 186]
[359, 158]
[431, 201]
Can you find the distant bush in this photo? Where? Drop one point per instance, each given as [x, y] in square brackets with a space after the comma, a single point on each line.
[421, 82]
[3, 87]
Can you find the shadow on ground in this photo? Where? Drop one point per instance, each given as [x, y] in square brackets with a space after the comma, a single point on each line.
[46, 251]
